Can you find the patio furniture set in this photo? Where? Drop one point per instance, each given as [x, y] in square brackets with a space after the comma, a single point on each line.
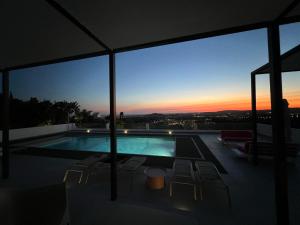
[183, 173]
[206, 175]
[89, 166]
[241, 142]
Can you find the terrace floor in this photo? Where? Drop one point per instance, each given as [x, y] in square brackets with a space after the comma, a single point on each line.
[251, 188]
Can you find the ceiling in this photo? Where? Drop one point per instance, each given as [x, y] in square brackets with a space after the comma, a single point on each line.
[34, 32]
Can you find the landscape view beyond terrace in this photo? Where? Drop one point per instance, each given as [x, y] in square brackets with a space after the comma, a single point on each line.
[202, 84]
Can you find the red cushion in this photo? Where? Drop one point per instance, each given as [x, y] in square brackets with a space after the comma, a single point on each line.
[236, 135]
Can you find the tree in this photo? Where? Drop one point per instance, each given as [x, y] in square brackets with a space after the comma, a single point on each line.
[34, 112]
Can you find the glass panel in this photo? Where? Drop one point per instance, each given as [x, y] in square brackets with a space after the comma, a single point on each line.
[196, 85]
[264, 114]
[71, 92]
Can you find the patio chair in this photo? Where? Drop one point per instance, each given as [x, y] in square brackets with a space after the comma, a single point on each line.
[36, 206]
[183, 174]
[208, 174]
[131, 166]
[84, 167]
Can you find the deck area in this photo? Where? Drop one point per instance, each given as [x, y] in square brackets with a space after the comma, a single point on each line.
[251, 188]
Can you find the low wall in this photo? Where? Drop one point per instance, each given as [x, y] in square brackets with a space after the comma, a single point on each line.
[22, 133]
[266, 130]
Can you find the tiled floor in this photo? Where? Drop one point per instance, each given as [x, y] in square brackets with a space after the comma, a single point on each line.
[251, 188]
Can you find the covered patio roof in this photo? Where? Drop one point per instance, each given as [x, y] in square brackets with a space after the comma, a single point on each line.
[38, 32]
[290, 61]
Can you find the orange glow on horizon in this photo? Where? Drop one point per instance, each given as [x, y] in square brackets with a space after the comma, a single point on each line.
[263, 103]
[204, 105]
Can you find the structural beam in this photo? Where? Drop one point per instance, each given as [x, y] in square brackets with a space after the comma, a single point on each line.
[254, 118]
[60, 60]
[282, 21]
[113, 138]
[73, 20]
[231, 30]
[112, 89]
[279, 146]
[5, 123]
[289, 9]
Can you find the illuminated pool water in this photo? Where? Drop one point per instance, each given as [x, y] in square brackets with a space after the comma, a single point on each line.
[138, 145]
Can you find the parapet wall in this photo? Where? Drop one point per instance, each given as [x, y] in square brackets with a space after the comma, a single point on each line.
[266, 130]
[23, 133]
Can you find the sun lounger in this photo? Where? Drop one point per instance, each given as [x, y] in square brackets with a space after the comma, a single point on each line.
[84, 167]
[45, 205]
[208, 174]
[131, 166]
[183, 174]
[133, 163]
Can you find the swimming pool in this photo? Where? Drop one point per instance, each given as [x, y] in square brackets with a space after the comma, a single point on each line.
[137, 145]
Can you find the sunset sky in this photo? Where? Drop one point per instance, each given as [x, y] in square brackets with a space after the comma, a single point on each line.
[198, 76]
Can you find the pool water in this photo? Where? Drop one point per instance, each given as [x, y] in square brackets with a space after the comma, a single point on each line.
[152, 146]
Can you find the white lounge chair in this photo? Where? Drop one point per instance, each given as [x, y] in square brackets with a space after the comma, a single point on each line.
[209, 175]
[84, 167]
[183, 174]
[131, 166]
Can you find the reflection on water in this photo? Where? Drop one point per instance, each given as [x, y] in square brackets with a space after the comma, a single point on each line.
[156, 146]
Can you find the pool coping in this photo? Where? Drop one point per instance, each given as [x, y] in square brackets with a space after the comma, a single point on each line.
[71, 154]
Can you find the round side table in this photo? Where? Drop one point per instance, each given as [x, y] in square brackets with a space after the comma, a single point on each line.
[155, 178]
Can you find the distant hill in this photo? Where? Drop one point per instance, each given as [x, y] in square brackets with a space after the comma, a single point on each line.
[292, 110]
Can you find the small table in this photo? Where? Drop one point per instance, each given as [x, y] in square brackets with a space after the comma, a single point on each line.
[155, 178]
